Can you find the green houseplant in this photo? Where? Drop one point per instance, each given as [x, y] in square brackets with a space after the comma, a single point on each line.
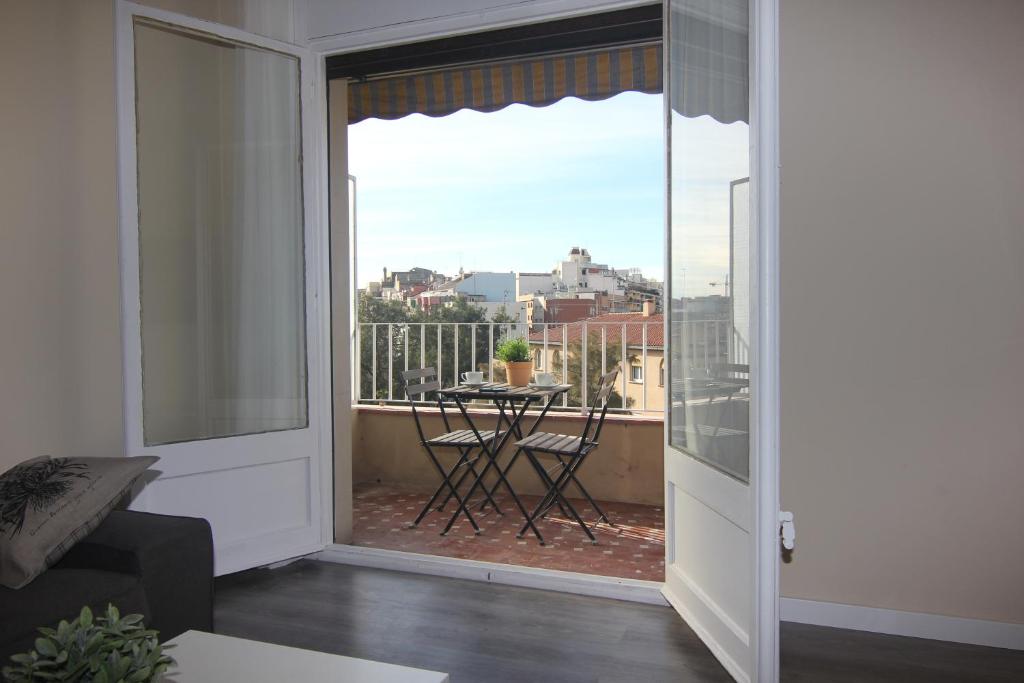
[515, 353]
[107, 649]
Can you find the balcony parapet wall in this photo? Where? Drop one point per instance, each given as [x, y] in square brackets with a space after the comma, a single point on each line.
[627, 467]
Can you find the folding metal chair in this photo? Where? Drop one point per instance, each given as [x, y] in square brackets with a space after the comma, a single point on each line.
[569, 452]
[465, 441]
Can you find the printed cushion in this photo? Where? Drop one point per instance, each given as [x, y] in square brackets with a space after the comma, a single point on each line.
[49, 504]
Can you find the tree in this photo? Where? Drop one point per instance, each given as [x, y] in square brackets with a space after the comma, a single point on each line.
[374, 344]
[374, 310]
[421, 335]
[502, 316]
[574, 370]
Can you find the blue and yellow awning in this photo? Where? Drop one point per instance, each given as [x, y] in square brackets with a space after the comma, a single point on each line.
[538, 82]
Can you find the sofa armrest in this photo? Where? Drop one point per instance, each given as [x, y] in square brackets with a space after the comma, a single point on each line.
[173, 556]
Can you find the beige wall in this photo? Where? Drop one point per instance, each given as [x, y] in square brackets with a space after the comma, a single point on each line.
[628, 466]
[903, 161]
[271, 18]
[903, 303]
[60, 338]
[60, 334]
[412, 19]
[341, 298]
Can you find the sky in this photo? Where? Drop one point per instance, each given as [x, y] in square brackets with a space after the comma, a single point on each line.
[514, 190]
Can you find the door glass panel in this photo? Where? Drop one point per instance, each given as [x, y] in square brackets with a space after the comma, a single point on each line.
[220, 237]
[709, 232]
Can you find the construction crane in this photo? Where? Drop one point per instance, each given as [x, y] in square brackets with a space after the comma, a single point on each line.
[725, 283]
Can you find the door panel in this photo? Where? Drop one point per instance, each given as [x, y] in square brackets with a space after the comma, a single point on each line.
[712, 460]
[222, 322]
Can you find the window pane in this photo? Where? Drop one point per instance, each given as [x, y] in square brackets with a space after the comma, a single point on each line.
[709, 230]
[220, 237]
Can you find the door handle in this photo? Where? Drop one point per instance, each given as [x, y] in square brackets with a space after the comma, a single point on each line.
[788, 530]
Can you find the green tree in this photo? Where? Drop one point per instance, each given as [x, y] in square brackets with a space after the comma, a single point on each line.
[376, 319]
[573, 365]
[427, 332]
[502, 316]
[374, 310]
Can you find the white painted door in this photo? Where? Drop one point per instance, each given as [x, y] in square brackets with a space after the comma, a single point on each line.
[223, 282]
[720, 446]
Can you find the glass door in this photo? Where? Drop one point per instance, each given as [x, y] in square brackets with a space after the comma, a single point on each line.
[713, 572]
[221, 329]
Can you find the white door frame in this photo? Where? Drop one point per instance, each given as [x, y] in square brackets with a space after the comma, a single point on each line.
[314, 144]
[764, 360]
[765, 411]
[765, 323]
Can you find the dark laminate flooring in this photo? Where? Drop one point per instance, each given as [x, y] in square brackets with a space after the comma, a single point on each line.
[485, 632]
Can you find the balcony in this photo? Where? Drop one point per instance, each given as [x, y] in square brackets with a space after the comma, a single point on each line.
[587, 348]
[393, 477]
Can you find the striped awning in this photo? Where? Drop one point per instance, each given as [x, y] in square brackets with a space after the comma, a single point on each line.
[538, 82]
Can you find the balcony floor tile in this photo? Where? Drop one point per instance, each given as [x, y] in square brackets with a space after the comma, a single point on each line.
[634, 548]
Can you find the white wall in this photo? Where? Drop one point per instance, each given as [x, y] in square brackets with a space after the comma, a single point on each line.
[531, 283]
[903, 303]
[493, 286]
[348, 24]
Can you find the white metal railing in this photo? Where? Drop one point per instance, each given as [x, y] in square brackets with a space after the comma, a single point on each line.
[571, 350]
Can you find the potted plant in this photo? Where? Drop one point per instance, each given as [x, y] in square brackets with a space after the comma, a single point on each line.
[515, 353]
[109, 649]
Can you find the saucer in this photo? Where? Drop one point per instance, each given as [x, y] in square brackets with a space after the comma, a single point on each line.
[473, 385]
[534, 385]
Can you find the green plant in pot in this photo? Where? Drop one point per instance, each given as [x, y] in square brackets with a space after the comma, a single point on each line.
[107, 649]
[515, 353]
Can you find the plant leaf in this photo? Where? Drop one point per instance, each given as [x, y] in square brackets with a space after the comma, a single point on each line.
[46, 647]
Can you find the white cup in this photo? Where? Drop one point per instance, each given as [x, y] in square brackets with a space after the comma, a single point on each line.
[543, 379]
[473, 377]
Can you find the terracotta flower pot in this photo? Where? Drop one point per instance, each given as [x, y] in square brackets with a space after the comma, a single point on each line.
[519, 372]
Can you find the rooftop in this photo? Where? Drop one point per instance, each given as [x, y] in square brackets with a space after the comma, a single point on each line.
[613, 322]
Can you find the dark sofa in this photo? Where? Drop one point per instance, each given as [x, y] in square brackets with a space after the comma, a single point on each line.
[155, 565]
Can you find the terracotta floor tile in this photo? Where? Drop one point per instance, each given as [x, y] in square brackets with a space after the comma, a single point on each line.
[634, 548]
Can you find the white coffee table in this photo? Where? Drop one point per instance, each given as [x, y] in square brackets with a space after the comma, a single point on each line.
[211, 658]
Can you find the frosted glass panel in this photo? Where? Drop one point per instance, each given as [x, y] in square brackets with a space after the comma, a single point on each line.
[220, 237]
[709, 299]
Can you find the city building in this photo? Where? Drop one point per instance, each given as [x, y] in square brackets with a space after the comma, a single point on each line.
[644, 335]
[404, 279]
[578, 278]
[535, 283]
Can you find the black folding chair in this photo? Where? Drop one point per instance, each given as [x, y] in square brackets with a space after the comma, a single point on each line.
[569, 452]
[417, 384]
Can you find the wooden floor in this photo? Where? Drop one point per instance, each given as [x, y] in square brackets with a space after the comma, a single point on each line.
[485, 632]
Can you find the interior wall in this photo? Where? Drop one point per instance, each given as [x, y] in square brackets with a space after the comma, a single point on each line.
[903, 159]
[278, 19]
[902, 310]
[404, 20]
[60, 319]
[60, 303]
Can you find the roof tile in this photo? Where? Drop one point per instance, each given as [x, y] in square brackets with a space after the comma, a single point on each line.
[614, 324]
